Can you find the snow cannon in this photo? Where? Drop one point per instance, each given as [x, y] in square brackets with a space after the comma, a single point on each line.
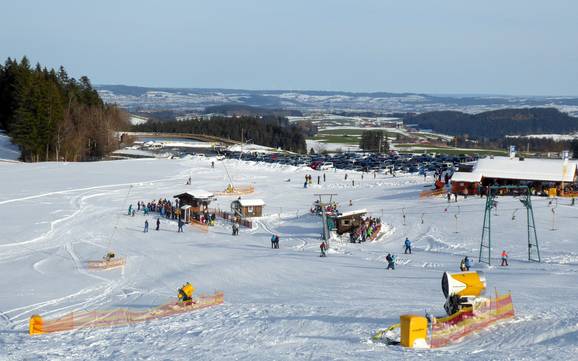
[462, 289]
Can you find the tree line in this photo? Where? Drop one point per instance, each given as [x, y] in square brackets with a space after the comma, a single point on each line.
[496, 124]
[268, 131]
[374, 141]
[52, 116]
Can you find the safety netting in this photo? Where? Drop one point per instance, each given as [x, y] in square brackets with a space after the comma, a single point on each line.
[450, 329]
[432, 193]
[105, 264]
[119, 317]
[236, 191]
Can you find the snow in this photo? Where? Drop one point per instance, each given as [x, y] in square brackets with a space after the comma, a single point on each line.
[251, 202]
[200, 194]
[466, 177]
[285, 304]
[8, 150]
[549, 170]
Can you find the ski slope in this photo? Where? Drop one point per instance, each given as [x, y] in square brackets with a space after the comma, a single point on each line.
[286, 304]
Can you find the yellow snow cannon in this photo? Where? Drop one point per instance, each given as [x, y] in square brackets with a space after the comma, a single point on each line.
[185, 293]
[462, 289]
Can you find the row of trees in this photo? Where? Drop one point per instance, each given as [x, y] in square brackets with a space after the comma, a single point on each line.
[52, 116]
[496, 124]
[374, 141]
[268, 131]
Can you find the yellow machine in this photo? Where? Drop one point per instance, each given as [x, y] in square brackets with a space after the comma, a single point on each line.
[412, 328]
[186, 292]
[462, 289]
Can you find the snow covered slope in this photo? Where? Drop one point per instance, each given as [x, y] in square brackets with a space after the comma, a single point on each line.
[8, 150]
[286, 304]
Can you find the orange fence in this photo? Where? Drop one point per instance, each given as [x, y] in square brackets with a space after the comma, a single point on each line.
[118, 317]
[432, 193]
[450, 329]
[203, 227]
[236, 191]
[104, 264]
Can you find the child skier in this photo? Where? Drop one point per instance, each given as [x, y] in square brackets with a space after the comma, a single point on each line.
[390, 261]
[504, 258]
[323, 248]
[146, 227]
[407, 244]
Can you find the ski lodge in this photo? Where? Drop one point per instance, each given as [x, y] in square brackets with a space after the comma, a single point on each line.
[348, 221]
[542, 176]
[194, 203]
[248, 207]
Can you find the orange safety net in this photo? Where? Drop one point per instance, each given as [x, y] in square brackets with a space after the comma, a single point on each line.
[450, 329]
[104, 264]
[199, 226]
[236, 191]
[119, 317]
[432, 193]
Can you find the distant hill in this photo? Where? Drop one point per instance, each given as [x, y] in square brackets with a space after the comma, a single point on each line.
[136, 98]
[497, 123]
[249, 111]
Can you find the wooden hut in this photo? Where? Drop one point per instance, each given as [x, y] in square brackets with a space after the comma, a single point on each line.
[248, 207]
[194, 203]
[348, 221]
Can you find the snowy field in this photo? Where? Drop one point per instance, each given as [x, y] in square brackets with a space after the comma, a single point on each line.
[286, 304]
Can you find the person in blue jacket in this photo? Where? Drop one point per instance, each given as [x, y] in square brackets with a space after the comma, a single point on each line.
[468, 263]
[407, 244]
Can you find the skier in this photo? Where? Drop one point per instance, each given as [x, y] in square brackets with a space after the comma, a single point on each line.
[449, 197]
[235, 229]
[407, 244]
[272, 241]
[212, 164]
[130, 209]
[323, 248]
[390, 261]
[463, 265]
[189, 181]
[467, 263]
[185, 293]
[158, 224]
[324, 179]
[146, 227]
[276, 241]
[318, 179]
[345, 176]
[180, 224]
[504, 258]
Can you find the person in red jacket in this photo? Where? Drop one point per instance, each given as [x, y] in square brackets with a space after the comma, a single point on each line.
[504, 258]
[323, 248]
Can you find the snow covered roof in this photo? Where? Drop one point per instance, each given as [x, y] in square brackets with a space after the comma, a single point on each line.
[198, 194]
[251, 202]
[548, 170]
[466, 177]
[353, 213]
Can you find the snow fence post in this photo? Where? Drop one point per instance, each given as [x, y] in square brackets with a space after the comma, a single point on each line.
[36, 324]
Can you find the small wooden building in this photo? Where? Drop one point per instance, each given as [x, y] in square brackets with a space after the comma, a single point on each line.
[248, 207]
[198, 200]
[348, 221]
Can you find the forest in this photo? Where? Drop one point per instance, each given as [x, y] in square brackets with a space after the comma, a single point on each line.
[269, 131]
[496, 124]
[52, 116]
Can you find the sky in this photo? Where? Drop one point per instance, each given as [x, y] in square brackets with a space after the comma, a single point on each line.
[439, 47]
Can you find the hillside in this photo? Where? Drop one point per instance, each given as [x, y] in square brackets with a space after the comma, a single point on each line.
[285, 304]
[497, 123]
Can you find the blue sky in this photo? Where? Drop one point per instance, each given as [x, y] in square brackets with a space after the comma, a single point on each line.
[445, 46]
